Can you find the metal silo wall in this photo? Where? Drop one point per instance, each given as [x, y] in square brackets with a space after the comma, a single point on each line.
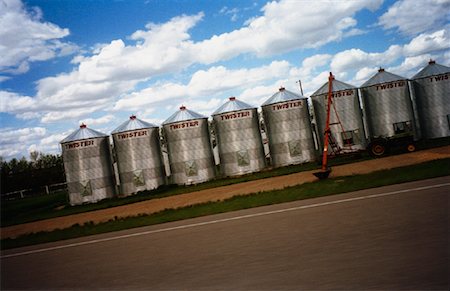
[288, 129]
[88, 170]
[139, 160]
[348, 109]
[189, 149]
[386, 104]
[433, 105]
[240, 144]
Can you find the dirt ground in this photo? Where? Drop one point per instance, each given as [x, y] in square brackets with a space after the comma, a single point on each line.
[221, 193]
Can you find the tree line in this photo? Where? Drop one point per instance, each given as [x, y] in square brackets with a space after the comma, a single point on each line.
[33, 173]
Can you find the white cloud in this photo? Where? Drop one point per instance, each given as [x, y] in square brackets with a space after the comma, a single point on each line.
[20, 142]
[215, 80]
[284, 26]
[4, 78]
[48, 144]
[54, 116]
[97, 121]
[411, 17]
[25, 37]
[426, 43]
[361, 64]
[257, 95]
[15, 141]
[364, 74]
[114, 69]
[232, 12]
[13, 102]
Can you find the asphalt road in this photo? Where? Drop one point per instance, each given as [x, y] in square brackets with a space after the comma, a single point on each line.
[394, 237]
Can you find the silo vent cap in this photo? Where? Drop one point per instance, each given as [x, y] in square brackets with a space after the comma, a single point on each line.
[133, 117]
[83, 125]
[380, 70]
[232, 98]
[281, 89]
[182, 107]
[432, 62]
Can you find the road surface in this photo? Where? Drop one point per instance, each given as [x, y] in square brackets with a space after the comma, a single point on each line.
[393, 237]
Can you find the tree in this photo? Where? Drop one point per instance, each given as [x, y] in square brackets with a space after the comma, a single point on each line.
[34, 156]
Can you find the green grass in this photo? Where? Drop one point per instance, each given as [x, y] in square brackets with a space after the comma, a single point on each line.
[54, 205]
[338, 185]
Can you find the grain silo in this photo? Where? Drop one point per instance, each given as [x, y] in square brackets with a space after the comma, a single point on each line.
[346, 123]
[189, 148]
[138, 155]
[288, 128]
[239, 138]
[432, 91]
[87, 165]
[388, 106]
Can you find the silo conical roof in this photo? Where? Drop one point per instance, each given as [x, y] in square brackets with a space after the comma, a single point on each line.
[132, 124]
[382, 77]
[233, 105]
[183, 114]
[281, 96]
[83, 133]
[337, 86]
[431, 69]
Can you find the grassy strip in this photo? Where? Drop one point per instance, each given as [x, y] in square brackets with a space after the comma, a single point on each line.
[55, 205]
[426, 170]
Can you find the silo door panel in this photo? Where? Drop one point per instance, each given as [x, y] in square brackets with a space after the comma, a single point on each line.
[138, 178]
[295, 148]
[243, 158]
[191, 168]
[86, 189]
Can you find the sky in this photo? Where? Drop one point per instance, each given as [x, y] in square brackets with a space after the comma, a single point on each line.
[63, 63]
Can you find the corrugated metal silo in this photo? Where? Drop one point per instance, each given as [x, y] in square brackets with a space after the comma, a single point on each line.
[388, 106]
[288, 128]
[87, 164]
[138, 154]
[432, 92]
[347, 125]
[189, 148]
[238, 138]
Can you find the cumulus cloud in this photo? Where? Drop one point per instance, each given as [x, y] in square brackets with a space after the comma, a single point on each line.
[411, 17]
[20, 142]
[361, 64]
[16, 141]
[203, 83]
[13, 102]
[25, 38]
[426, 43]
[114, 69]
[284, 26]
[98, 121]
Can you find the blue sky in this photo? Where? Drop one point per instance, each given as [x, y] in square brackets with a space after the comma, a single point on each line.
[97, 62]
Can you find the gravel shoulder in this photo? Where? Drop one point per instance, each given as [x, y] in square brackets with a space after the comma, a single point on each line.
[225, 192]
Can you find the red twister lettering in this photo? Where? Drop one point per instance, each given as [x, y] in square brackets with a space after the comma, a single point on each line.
[183, 125]
[133, 134]
[236, 115]
[391, 85]
[439, 78]
[79, 144]
[340, 94]
[287, 105]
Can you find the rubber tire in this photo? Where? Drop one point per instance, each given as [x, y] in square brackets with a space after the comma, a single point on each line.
[411, 147]
[377, 149]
